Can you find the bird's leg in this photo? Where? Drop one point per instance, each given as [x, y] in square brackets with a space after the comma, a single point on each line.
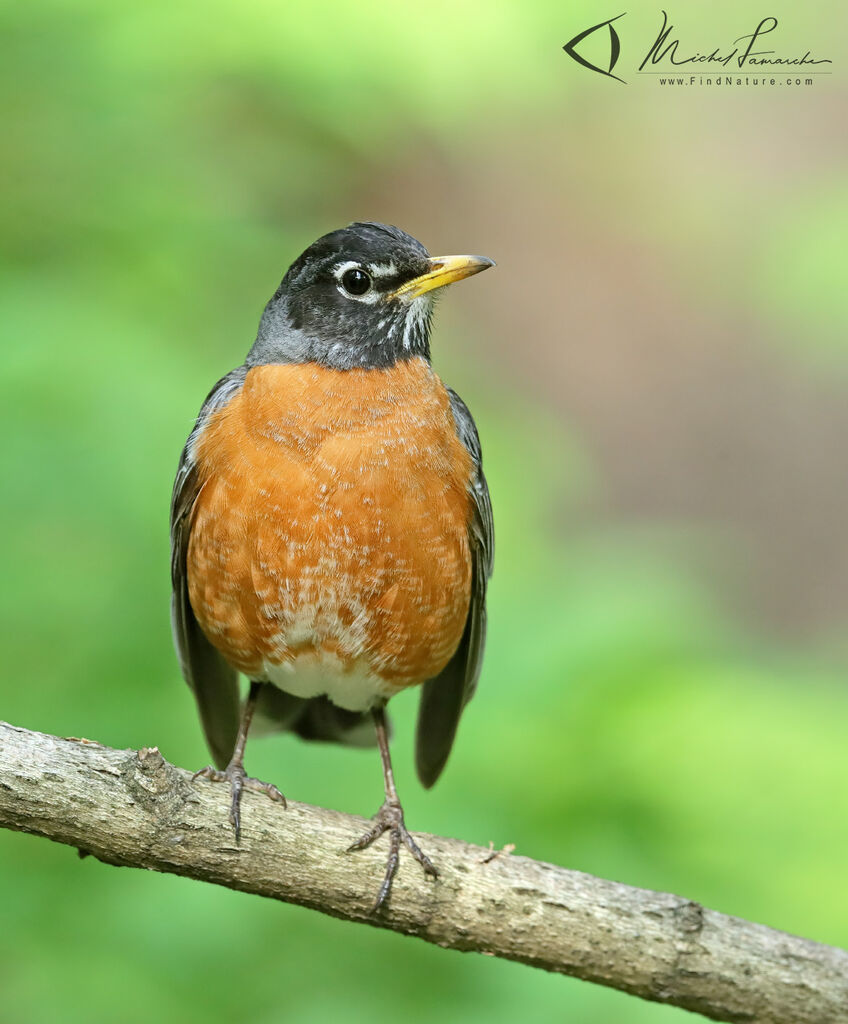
[390, 819]
[234, 772]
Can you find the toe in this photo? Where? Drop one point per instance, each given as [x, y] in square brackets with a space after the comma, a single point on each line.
[271, 791]
[419, 854]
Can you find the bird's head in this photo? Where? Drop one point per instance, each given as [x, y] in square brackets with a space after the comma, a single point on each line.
[361, 296]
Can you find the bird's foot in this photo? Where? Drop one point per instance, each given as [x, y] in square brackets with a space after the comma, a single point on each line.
[390, 819]
[234, 774]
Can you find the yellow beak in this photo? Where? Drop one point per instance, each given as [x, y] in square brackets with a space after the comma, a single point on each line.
[444, 270]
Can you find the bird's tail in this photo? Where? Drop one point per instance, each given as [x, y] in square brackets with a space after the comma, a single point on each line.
[312, 718]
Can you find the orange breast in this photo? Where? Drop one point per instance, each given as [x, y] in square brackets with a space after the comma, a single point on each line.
[332, 524]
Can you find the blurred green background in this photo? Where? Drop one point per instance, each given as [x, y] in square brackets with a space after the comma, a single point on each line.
[659, 373]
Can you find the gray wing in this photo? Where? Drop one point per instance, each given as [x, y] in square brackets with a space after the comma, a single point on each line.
[213, 681]
[444, 697]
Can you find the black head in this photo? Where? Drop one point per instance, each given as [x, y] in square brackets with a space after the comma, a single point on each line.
[361, 296]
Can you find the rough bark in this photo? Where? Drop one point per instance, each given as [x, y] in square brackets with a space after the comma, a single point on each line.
[133, 808]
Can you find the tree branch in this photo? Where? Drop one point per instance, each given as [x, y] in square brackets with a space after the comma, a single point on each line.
[135, 809]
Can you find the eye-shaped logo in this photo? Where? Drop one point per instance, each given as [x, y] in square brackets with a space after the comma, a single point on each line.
[614, 44]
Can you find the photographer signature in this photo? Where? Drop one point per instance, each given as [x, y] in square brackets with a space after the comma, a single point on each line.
[744, 55]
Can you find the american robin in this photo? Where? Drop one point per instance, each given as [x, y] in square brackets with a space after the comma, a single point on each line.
[331, 529]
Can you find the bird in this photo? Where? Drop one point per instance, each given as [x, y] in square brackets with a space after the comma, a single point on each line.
[331, 526]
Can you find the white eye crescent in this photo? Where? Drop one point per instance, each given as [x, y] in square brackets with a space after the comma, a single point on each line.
[356, 281]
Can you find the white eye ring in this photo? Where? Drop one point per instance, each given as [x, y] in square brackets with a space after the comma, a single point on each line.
[356, 281]
[369, 294]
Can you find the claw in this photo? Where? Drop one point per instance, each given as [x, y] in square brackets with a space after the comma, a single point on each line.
[239, 781]
[390, 819]
[234, 772]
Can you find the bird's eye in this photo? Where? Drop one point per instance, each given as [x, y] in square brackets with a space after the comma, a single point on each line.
[356, 281]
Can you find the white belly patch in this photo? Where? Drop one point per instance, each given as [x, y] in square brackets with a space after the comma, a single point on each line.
[350, 685]
[315, 654]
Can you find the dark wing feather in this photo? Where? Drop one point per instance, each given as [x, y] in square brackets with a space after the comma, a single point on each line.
[444, 697]
[213, 681]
